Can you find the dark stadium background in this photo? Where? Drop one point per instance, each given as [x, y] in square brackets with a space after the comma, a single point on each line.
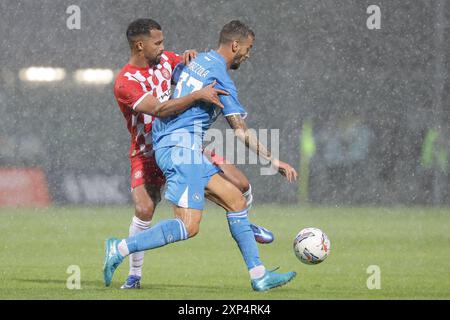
[372, 96]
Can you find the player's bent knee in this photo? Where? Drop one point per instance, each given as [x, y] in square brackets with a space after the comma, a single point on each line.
[238, 204]
[240, 181]
[243, 185]
[144, 211]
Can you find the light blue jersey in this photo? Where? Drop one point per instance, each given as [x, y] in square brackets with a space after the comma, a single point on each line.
[188, 128]
[178, 140]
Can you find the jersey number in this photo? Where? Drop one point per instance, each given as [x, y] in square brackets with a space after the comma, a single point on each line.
[186, 85]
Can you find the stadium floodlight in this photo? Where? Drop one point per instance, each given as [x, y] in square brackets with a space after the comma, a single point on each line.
[94, 76]
[42, 74]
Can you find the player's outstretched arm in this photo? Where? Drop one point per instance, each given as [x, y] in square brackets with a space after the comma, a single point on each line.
[152, 106]
[251, 141]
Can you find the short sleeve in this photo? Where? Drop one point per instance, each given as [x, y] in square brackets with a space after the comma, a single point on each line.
[177, 72]
[129, 92]
[231, 102]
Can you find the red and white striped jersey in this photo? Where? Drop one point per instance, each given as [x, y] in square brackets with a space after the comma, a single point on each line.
[131, 86]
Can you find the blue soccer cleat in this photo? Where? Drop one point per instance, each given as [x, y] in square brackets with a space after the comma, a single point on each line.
[272, 280]
[112, 259]
[133, 282]
[262, 235]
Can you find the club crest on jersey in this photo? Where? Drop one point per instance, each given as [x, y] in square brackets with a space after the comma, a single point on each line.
[165, 73]
[196, 197]
[138, 174]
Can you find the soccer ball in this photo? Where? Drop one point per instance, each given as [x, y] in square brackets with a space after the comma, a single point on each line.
[311, 246]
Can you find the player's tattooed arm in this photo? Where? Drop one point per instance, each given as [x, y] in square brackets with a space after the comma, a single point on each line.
[251, 141]
[152, 106]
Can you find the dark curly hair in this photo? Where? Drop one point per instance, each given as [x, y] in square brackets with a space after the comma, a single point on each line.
[141, 27]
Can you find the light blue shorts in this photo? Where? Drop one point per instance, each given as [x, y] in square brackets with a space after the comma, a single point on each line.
[187, 173]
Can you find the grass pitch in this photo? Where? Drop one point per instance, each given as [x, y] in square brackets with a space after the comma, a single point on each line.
[411, 246]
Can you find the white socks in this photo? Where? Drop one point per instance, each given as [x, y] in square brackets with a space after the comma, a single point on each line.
[257, 272]
[249, 197]
[137, 258]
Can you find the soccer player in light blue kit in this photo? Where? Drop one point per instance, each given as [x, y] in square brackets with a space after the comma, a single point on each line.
[178, 142]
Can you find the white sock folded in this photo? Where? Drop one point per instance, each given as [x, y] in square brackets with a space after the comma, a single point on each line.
[248, 197]
[257, 272]
[137, 259]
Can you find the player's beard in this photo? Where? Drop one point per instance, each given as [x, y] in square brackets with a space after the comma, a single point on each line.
[235, 66]
[154, 61]
[236, 62]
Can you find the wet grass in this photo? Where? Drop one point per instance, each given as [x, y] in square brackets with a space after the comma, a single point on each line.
[411, 247]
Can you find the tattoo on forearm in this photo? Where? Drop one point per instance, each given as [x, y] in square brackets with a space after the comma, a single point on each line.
[237, 123]
[259, 148]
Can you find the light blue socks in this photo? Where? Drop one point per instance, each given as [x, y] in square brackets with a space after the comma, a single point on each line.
[162, 233]
[244, 237]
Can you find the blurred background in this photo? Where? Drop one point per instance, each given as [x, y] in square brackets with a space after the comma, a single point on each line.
[363, 113]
